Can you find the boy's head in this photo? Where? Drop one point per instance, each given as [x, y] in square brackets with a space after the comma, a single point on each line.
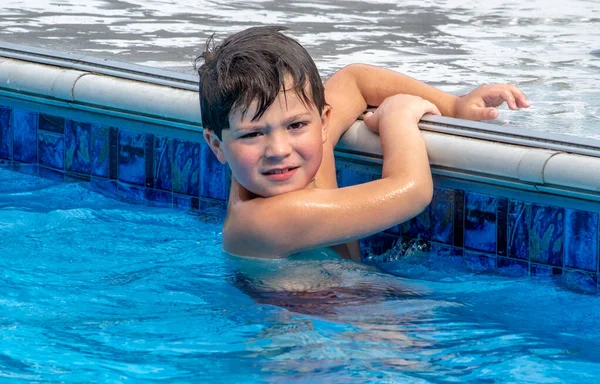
[254, 66]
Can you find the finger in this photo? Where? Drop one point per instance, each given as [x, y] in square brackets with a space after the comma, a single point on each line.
[520, 98]
[432, 109]
[489, 113]
[508, 96]
[371, 121]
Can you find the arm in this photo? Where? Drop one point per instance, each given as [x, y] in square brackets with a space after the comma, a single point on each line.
[355, 87]
[285, 224]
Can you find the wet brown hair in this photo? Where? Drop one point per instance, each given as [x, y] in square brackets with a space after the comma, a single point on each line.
[253, 65]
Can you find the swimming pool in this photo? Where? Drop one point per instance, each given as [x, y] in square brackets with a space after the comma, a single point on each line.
[104, 291]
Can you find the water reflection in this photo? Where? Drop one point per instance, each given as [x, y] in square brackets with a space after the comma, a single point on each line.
[540, 45]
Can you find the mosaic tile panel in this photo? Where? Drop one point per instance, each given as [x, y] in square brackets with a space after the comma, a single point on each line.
[512, 267]
[162, 163]
[546, 235]
[25, 126]
[544, 270]
[51, 149]
[459, 217]
[419, 227]
[131, 193]
[442, 218]
[132, 168]
[186, 167]
[99, 150]
[581, 281]
[502, 220]
[113, 158]
[377, 244]
[479, 262]
[52, 123]
[349, 177]
[6, 135]
[213, 181]
[149, 159]
[158, 198]
[581, 239]
[519, 221]
[182, 202]
[480, 222]
[77, 147]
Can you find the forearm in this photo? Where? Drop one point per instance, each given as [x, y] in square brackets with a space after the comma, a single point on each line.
[376, 84]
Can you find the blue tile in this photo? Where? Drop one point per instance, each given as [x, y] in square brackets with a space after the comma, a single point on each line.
[182, 202]
[445, 257]
[51, 174]
[77, 145]
[544, 270]
[105, 187]
[149, 160]
[6, 134]
[479, 262]
[131, 194]
[502, 220]
[581, 281]
[100, 150]
[25, 136]
[519, 219]
[51, 149]
[132, 168]
[213, 180]
[446, 251]
[581, 239]
[52, 123]
[348, 177]
[546, 235]
[442, 220]
[512, 267]
[186, 167]
[459, 217]
[480, 222]
[162, 163]
[419, 227]
[376, 244]
[113, 161]
[159, 198]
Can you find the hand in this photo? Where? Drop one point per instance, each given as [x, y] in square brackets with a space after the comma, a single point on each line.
[482, 102]
[399, 107]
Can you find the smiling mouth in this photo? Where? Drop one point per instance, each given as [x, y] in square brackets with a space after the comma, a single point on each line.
[279, 171]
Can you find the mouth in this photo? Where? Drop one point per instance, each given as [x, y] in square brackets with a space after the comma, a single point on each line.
[279, 171]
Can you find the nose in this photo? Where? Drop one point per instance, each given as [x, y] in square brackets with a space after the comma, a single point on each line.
[278, 145]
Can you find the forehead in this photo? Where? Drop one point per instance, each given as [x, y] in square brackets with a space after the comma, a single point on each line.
[288, 102]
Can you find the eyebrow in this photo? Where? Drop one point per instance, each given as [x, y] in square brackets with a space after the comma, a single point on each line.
[253, 126]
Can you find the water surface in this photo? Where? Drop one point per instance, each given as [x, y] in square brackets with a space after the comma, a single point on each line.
[544, 46]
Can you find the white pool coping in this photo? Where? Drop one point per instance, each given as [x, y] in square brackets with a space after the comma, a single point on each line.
[521, 159]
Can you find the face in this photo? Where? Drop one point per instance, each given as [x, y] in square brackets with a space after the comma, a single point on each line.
[280, 152]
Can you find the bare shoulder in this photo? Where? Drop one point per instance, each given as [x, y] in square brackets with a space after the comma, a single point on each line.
[343, 95]
[266, 227]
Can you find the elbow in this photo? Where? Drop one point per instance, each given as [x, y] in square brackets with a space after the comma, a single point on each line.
[423, 194]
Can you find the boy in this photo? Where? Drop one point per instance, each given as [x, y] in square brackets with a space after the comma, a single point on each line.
[266, 114]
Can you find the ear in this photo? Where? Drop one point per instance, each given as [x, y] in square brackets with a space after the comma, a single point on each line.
[215, 144]
[325, 122]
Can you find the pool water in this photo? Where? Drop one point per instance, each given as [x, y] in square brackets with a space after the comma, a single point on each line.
[549, 49]
[95, 290]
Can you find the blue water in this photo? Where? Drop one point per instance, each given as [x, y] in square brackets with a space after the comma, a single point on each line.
[94, 290]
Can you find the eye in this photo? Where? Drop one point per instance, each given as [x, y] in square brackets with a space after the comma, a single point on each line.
[297, 125]
[250, 135]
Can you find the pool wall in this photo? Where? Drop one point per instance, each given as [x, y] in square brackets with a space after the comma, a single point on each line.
[509, 201]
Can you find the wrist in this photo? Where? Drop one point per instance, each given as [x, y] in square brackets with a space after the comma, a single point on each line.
[454, 106]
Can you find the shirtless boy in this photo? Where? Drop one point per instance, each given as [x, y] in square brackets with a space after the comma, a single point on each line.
[267, 115]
